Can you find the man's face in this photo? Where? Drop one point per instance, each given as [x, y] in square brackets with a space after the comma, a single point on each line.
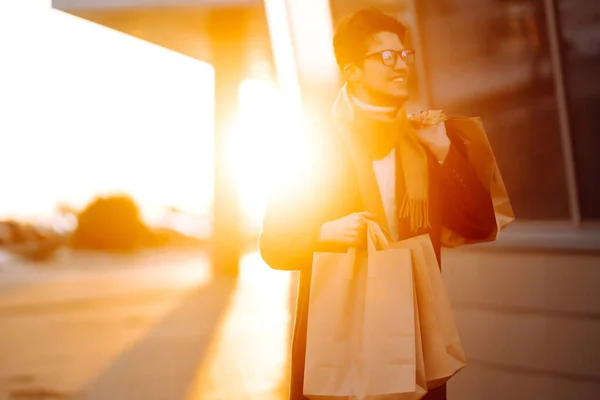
[380, 83]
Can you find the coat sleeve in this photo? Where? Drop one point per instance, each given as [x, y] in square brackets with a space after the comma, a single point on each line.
[291, 228]
[467, 206]
[295, 214]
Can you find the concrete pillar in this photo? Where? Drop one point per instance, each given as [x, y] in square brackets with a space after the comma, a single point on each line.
[311, 30]
[301, 33]
[226, 28]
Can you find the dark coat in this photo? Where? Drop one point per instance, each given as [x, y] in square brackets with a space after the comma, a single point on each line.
[293, 219]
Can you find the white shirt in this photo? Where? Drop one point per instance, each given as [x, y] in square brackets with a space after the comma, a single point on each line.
[385, 172]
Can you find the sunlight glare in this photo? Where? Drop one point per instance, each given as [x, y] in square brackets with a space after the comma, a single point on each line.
[254, 331]
[89, 110]
[271, 144]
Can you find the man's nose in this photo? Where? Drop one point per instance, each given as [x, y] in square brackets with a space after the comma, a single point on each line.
[400, 65]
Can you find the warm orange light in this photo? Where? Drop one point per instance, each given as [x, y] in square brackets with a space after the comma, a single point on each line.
[257, 360]
[271, 144]
[88, 110]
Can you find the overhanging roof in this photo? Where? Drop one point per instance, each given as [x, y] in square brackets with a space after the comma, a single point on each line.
[80, 5]
[179, 25]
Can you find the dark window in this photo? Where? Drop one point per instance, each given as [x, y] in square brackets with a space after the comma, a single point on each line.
[579, 23]
[491, 58]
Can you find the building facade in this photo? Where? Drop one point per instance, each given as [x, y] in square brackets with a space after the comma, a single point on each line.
[529, 68]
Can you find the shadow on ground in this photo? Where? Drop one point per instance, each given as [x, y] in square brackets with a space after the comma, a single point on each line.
[164, 362]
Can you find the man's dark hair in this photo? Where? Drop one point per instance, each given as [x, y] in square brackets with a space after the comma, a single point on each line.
[352, 33]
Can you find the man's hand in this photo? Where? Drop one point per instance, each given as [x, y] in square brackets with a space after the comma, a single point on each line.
[348, 230]
[430, 130]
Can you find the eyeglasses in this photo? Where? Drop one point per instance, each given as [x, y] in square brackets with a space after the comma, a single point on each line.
[389, 58]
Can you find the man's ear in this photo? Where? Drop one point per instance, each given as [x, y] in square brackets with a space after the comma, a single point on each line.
[352, 72]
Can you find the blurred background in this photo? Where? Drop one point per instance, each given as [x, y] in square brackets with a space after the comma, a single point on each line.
[140, 140]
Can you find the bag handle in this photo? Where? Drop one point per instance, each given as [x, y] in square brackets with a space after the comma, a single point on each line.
[376, 238]
[376, 241]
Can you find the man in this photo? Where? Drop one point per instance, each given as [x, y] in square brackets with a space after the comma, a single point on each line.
[416, 180]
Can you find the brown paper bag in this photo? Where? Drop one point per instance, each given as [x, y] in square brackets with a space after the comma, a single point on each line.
[442, 349]
[361, 341]
[480, 154]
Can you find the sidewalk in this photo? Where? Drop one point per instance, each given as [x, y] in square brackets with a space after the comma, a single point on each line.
[158, 326]
[76, 277]
[154, 326]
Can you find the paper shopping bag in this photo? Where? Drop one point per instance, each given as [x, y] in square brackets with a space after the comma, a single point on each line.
[361, 341]
[443, 354]
[481, 156]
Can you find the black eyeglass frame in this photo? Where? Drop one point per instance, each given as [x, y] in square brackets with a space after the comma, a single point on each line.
[407, 55]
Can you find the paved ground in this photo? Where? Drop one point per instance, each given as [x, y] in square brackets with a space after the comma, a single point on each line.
[153, 326]
[159, 326]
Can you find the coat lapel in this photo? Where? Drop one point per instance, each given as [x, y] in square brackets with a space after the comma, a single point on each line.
[367, 181]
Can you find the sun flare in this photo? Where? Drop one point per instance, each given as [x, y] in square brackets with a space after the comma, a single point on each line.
[271, 144]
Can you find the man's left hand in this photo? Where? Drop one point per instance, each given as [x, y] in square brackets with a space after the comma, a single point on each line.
[433, 136]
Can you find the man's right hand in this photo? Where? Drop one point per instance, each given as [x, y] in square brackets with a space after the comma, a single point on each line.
[348, 230]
